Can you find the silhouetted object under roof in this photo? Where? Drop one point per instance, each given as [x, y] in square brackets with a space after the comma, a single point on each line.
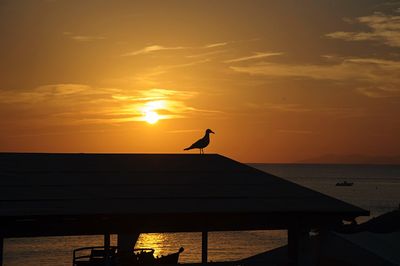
[385, 223]
[75, 194]
[201, 143]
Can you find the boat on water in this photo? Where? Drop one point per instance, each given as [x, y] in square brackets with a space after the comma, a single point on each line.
[100, 256]
[344, 184]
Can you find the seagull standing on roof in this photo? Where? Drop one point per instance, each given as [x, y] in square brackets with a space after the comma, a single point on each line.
[201, 143]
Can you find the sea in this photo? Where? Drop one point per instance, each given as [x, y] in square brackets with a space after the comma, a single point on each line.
[376, 188]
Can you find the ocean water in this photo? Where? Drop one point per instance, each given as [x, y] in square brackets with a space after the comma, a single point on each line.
[376, 188]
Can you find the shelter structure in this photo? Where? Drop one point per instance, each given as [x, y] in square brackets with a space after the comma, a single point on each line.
[127, 194]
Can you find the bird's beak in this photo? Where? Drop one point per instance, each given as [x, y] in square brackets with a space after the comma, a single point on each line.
[213, 132]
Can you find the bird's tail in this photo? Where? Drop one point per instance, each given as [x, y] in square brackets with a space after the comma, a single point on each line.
[186, 149]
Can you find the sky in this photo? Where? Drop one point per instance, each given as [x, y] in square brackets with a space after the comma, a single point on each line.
[277, 81]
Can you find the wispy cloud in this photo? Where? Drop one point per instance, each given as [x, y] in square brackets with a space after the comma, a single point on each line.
[153, 95]
[82, 38]
[213, 45]
[158, 48]
[82, 104]
[46, 93]
[252, 57]
[380, 91]
[151, 77]
[192, 63]
[154, 48]
[343, 112]
[382, 27]
[355, 69]
[281, 107]
[206, 54]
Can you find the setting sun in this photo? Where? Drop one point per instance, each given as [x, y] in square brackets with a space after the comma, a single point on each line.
[151, 117]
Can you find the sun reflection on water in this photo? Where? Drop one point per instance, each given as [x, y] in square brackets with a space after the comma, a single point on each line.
[154, 240]
[167, 243]
[223, 246]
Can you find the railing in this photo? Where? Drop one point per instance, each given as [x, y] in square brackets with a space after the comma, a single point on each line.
[91, 253]
[98, 253]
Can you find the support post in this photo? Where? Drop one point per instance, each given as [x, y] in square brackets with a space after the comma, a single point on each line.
[299, 247]
[1, 250]
[126, 242]
[293, 244]
[204, 247]
[107, 248]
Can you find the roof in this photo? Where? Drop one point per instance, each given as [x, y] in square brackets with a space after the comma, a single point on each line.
[363, 248]
[385, 246]
[167, 186]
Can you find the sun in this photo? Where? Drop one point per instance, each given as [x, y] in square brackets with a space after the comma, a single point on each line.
[151, 117]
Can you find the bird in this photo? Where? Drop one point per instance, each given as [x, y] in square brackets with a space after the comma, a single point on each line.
[201, 143]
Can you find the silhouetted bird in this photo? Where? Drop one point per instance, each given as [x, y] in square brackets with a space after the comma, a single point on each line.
[201, 143]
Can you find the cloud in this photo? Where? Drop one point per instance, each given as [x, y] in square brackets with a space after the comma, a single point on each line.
[380, 91]
[150, 77]
[157, 48]
[154, 48]
[169, 104]
[348, 69]
[193, 63]
[382, 27]
[343, 112]
[83, 104]
[153, 77]
[281, 107]
[252, 57]
[82, 38]
[206, 54]
[213, 45]
[49, 92]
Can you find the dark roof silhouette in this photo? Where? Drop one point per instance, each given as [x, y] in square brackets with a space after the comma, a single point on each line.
[152, 192]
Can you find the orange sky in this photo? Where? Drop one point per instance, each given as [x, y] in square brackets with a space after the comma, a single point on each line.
[278, 81]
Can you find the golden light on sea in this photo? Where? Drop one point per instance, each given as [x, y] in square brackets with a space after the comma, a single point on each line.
[158, 242]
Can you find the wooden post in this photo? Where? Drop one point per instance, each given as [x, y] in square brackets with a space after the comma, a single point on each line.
[299, 247]
[126, 242]
[1, 250]
[305, 255]
[293, 244]
[107, 248]
[204, 247]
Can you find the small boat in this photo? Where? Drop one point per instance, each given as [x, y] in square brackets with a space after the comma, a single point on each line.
[99, 256]
[344, 184]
